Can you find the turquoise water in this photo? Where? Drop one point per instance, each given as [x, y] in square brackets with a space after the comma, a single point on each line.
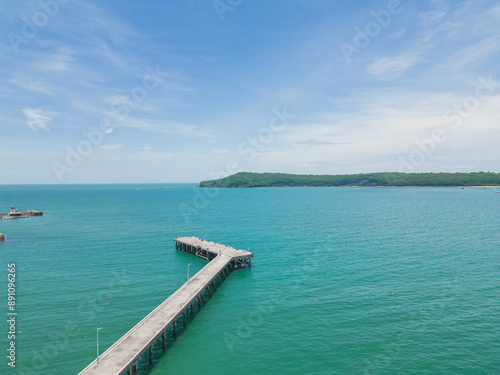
[104, 256]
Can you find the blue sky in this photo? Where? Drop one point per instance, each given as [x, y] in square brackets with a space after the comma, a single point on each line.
[182, 91]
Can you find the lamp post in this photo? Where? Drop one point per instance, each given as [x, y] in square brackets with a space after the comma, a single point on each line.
[188, 271]
[98, 329]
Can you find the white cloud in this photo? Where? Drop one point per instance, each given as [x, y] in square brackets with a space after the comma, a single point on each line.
[434, 16]
[115, 99]
[398, 34]
[221, 151]
[35, 119]
[58, 61]
[112, 147]
[477, 53]
[29, 84]
[383, 130]
[158, 126]
[388, 67]
[427, 19]
[495, 12]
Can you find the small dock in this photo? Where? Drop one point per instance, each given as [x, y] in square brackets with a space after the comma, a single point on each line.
[123, 356]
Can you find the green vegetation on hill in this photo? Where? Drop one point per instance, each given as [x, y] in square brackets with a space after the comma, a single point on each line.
[248, 179]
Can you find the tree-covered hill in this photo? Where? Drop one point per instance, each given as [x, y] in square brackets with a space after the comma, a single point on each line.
[248, 179]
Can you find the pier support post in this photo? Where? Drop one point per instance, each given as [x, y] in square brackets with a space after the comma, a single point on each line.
[220, 280]
[202, 298]
[209, 292]
[151, 355]
[135, 368]
[199, 302]
[175, 329]
[184, 318]
[164, 341]
[213, 283]
[192, 312]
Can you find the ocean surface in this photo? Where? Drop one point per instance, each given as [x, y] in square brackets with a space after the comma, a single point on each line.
[343, 280]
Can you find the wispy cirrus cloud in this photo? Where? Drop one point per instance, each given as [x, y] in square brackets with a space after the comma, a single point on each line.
[315, 142]
[57, 61]
[36, 119]
[431, 17]
[159, 126]
[111, 147]
[221, 151]
[388, 67]
[398, 34]
[477, 52]
[28, 84]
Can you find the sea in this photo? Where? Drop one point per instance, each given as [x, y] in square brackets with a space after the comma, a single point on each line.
[344, 280]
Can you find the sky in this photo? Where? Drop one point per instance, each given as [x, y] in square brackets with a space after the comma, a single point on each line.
[184, 91]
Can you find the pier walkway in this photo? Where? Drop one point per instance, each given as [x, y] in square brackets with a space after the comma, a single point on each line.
[122, 357]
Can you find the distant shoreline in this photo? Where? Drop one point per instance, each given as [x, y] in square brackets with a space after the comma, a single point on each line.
[353, 186]
[383, 179]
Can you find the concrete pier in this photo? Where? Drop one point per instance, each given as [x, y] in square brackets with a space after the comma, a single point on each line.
[209, 250]
[122, 357]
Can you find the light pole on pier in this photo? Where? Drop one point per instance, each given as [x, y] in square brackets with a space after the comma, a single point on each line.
[188, 271]
[98, 329]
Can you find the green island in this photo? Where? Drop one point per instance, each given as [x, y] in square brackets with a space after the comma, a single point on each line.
[249, 179]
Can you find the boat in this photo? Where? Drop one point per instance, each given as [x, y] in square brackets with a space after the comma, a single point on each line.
[13, 214]
[8, 217]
